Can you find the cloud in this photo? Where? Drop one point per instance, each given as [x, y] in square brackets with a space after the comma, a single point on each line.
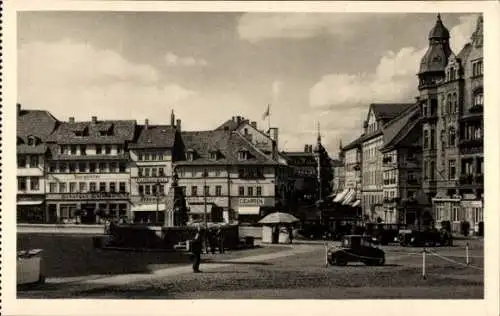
[344, 97]
[255, 27]
[77, 79]
[277, 86]
[174, 60]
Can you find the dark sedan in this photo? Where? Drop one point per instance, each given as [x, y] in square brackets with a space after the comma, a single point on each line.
[356, 248]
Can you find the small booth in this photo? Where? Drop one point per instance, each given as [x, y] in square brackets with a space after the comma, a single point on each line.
[277, 227]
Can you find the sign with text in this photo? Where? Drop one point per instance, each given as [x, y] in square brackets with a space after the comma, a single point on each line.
[87, 196]
[151, 180]
[218, 200]
[255, 201]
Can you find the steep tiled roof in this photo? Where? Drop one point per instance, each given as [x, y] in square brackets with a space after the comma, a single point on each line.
[155, 136]
[387, 111]
[355, 143]
[120, 131]
[227, 143]
[232, 124]
[36, 123]
[398, 128]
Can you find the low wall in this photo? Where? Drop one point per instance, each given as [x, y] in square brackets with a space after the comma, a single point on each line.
[60, 229]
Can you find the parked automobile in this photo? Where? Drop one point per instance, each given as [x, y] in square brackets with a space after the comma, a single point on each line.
[429, 237]
[356, 248]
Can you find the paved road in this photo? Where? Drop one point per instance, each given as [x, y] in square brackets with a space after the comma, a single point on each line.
[297, 271]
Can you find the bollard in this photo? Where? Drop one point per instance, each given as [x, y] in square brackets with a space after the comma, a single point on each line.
[423, 265]
[467, 260]
[326, 254]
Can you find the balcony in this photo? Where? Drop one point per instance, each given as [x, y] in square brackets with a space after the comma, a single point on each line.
[470, 143]
[474, 113]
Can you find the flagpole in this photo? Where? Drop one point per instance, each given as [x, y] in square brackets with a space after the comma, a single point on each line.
[269, 118]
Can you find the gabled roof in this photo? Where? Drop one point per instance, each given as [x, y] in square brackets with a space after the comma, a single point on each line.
[228, 143]
[155, 136]
[35, 123]
[387, 111]
[232, 124]
[397, 129]
[121, 131]
[355, 143]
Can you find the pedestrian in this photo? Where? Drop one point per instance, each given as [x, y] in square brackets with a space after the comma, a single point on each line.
[290, 233]
[211, 240]
[196, 248]
[220, 239]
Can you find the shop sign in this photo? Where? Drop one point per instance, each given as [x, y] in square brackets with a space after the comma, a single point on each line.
[87, 196]
[256, 201]
[220, 201]
[151, 180]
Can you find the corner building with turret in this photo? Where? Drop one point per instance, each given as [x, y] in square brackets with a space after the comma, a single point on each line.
[451, 103]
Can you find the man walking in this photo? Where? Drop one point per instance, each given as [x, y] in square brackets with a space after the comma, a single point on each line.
[220, 239]
[196, 248]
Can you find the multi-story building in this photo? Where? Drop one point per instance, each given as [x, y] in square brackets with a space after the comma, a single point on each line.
[151, 158]
[33, 129]
[88, 175]
[402, 169]
[225, 177]
[338, 167]
[352, 166]
[372, 142]
[451, 100]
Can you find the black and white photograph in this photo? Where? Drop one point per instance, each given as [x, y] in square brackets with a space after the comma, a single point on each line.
[246, 154]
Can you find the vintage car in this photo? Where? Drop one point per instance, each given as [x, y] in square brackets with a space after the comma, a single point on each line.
[356, 248]
[429, 237]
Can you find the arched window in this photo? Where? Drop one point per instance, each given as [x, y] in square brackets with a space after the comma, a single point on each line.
[426, 139]
[448, 103]
[452, 73]
[455, 103]
[451, 136]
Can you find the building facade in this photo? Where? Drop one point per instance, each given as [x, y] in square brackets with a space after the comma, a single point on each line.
[33, 129]
[151, 173]
[88, 175]
[451, 100]
[372, 162]
[353, 169]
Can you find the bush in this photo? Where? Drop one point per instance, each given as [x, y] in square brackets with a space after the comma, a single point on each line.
[464, 228]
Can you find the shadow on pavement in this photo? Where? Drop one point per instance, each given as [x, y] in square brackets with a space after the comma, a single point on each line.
[238, 262]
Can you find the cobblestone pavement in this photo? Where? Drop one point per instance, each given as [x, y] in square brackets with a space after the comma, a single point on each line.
[296, 271]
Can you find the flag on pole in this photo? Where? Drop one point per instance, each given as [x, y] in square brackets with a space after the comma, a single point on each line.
[266, 114]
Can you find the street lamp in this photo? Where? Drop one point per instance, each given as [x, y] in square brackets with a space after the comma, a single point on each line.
[205, 175]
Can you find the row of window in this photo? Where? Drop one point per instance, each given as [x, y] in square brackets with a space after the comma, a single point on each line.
[369, 153]
[91, 167]
[151, 156]
[28, 161]
[389, 195]
[84, 187]
[152, 189]
[28, 183]
[477, 68]
[217, 190]
[151, 172]
[372, 177]
[82, 149]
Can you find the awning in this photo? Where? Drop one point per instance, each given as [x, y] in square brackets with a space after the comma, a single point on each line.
[249, 210]
[147, 208]
[38, 202]
[340, 196]
[357, 203]
[349, 198]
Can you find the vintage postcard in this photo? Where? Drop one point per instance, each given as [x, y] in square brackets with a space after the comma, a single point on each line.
[192, 158]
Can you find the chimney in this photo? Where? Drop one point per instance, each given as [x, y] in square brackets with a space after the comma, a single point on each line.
[234, 118]
[178, 125]
[94, 119]
[18, 105]
[172, 119]
[254, 124]
[273, 134]
[238, 119]
[71, 119]
[146, 123]
[306, 148]
[310, 148]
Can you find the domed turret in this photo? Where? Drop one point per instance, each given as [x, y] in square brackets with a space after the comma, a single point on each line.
[439, 31]
[435, 59]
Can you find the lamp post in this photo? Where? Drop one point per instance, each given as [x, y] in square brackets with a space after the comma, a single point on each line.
[205, 175]
[157, 201]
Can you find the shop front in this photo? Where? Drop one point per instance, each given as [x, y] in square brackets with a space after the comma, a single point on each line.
[473, 210]
[31, 209]
[87, 208]
[251, 209]
[214, 208]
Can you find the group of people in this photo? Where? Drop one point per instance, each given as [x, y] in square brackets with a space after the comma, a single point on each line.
[208, 239]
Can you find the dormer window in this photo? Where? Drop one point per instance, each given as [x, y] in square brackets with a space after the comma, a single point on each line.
[214, 155]
[242, 155]
[32, 140]
[190, 155]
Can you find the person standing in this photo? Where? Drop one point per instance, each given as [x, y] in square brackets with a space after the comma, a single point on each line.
[196, 248]
[220, 239]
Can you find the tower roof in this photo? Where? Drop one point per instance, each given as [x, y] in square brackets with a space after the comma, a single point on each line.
[439, 31]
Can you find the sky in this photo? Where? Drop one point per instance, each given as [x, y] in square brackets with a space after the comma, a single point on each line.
[312, 68]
